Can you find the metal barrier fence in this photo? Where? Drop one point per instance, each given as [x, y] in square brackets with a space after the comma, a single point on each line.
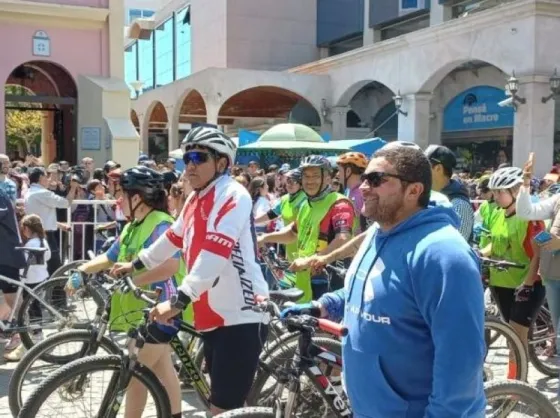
[75, 243]
[76, 248]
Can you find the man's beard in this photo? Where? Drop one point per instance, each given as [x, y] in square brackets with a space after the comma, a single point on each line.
[384, 212]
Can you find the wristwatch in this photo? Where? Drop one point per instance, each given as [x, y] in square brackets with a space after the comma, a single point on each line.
[179, 301]
[138, 264]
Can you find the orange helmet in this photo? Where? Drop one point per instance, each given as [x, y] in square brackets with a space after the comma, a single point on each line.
[355, 158]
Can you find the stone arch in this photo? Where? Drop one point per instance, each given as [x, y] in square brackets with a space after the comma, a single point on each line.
[438, 71]
[263, 102]
[155, 118]
[190, 108]
[134, 119]
[59, 93]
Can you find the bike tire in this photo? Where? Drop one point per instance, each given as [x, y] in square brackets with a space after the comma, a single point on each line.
[521, 391]
[95, 363]
[514, 343]
[39, 352]
[66, 268]
[248, 412]
[279, 357]
[47, 287]
[546, 369]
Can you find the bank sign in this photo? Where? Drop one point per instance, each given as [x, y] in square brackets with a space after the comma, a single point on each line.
[477, 108]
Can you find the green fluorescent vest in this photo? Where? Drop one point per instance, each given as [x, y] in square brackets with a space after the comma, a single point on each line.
[126, 310]
[507, 237]
[289, 209]
[308, 223]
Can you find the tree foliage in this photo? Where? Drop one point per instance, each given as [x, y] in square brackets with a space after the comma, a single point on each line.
[23, 128]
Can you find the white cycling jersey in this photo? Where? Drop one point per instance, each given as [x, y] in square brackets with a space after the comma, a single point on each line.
[215, 232]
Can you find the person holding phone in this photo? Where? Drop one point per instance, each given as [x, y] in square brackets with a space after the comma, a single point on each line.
[519, 293]
[549, 242]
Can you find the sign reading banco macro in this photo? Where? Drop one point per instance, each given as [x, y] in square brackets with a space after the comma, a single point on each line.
[477, 108]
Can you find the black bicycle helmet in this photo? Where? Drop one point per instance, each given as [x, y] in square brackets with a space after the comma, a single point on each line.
[143, 180]
[295, 175]
[170, 178]
[315, 161]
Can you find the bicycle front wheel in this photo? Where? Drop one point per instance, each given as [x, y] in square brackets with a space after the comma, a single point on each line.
[248, 413]
[72, 403]
[518, 399]
[32, 365]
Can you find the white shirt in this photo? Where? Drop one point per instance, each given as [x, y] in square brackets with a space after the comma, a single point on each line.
[539, 211]
[43, 203]
[261, 206]
[37, 273]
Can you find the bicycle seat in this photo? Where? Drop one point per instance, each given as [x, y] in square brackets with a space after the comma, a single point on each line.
[31, 250]
[286, 295]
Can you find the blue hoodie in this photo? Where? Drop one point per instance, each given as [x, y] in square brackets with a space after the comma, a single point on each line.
[415, 346]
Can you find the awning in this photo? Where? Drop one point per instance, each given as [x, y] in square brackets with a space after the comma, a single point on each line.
[122, 128]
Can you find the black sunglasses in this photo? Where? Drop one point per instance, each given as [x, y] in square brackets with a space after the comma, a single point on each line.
[377, 178]
[195, 157]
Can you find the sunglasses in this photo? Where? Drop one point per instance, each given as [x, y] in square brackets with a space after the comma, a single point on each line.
[195, 157]
[376, 178]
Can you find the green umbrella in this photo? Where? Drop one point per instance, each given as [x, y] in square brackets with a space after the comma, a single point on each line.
[292, 136]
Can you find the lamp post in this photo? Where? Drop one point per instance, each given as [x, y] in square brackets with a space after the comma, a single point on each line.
[398, 104]
[513, 87]
[137, 86]
[554, 84]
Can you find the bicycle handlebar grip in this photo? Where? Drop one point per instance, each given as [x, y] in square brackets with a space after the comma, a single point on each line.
[333, 328]
[260, 299]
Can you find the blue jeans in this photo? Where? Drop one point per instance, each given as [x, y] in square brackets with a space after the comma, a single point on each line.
[553, 298]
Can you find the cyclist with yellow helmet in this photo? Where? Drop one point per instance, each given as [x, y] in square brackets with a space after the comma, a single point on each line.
[351, 166]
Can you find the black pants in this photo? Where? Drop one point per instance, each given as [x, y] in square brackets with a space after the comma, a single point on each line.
[35, 312]
[58, 293]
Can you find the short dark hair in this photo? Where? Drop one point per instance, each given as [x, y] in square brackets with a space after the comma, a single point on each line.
[35, 174]
[410, 163]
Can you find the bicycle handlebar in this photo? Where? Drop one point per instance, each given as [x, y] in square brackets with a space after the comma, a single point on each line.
[141, 293]
[301, 322]
[500, 263]
[336, 270]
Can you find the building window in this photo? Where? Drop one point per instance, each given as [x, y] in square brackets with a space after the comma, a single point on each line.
[134, 14]
[131, 66]
[402, 28]
[345, 45]
[409, 4]
[146, 62]
[164, 53]
[183, 43]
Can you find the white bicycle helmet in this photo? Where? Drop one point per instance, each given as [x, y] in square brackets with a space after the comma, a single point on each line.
[505, 178]
[211, 138]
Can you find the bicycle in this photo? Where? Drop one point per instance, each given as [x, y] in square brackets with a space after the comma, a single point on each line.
[308, 358]
[71, 380]
[44, 295]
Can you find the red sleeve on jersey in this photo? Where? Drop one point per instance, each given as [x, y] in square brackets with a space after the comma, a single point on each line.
[533, 229]
[341, 216]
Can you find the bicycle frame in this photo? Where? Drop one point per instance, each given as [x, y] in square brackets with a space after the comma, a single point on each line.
[23, 288]
[308, 364]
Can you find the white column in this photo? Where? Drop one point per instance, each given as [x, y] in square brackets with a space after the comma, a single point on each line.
[212, 112]
[338, 118]
[370, 35]
[533, 130]
[439, 13]
[415, 126]
[172, 130]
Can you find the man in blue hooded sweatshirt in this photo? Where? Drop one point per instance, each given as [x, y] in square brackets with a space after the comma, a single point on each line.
[412, 301]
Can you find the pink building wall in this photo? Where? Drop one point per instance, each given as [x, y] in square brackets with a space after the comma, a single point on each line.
[84, 52]
[85, 3]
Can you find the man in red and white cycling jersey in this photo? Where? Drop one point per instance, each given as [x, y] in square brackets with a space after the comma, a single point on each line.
[215, 230]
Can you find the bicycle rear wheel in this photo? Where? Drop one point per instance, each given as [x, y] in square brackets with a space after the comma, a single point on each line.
[76, 312]
[507, 340]
[250, 412]
[542, 345]
[30, 368]
[515, 398]
[59, 383]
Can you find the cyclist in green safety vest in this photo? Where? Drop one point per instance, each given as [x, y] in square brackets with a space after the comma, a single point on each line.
[144, 201]
[519, 293]
[486, 210]
[287, 207]
[324, 222]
